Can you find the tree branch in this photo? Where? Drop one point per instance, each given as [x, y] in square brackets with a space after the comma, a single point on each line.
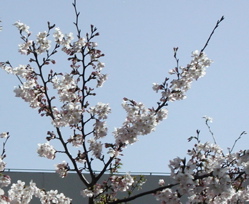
[216, 26]
[143, 194]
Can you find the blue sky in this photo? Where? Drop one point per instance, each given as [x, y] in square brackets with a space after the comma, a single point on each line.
[137, 38]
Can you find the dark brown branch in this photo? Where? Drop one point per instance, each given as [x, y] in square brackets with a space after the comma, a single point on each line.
[4, 144]
[143, 194]
[243, 133]
[216, 26]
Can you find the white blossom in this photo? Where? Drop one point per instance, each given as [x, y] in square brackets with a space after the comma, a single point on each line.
[208, 119]
[4, 135]
[161, 182]
[87, 193]
[139, 121]
[5, 180]
[22, 27]
[66, 87]
[46, 150]
[122, 183]
[167, 196]
[101, 110]
[76, 140]
[42, 42]
[100, 129]
[95, 147]
[62, 169]
[30, 93]
[69, 115]
[2, 164]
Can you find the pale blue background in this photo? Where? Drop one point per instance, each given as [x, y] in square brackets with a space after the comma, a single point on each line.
[138, 39]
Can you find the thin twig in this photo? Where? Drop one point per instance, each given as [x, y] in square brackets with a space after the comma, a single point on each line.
[216, 26]
[15, 74]
[76, 23]
[4, 144]
[177, 62]
[209, 128]
[243, 133]
[142, 194]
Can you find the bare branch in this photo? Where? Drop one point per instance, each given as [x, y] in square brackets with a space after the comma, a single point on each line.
[243, 133]
[216, 26]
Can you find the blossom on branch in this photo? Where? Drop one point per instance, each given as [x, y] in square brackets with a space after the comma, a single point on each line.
[95, 147]
[207, 176]
[4, 134]
[101, 110]
[46, 150]
[139, 121]
[62, 169]
[177, 88]
[22, 27]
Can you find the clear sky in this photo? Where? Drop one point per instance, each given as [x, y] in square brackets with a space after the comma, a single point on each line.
[138, 39]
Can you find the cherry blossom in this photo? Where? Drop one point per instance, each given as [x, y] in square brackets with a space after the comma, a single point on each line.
[122, 183]
[207, 175]
[100, 129]
[101, 110]
[5, 180]
[95, 147]
[2, 164]
[66, 87]
[167, 196]
[22, 27]
[46, 150]
[139, 121]
[42, 42]
[4, 134]
[76, 140]
[62, 169]
[87, 193]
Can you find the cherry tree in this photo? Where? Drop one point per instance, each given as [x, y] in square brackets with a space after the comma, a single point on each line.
[209, 175]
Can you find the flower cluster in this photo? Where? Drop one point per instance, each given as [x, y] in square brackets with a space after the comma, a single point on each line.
[30, 92]
[66, 87]
[76, 140]
[100, 129]
[22, 27]
[139, 121]
[5, 180]
[23, 71]
[4, 134]
[70, 114]
[209, 176]
[95, 147]
[20, 193]
[25, 48]
[46, 150]
[121, 183]
[167, 196]
[117, 183]
[176, 89]
[97, 189]
[34, 89]
[100, 111]
[2, 164]
[42, 43]
[63, 39]
[62, 169]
